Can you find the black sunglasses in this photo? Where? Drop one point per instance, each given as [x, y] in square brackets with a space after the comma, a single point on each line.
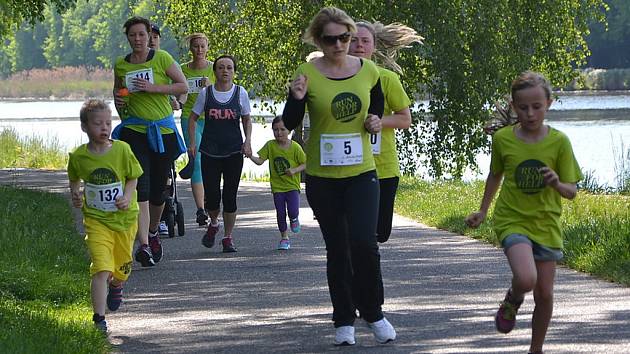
[332, 40]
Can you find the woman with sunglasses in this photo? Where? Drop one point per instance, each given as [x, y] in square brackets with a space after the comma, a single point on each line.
[396, 115]
[344, 99]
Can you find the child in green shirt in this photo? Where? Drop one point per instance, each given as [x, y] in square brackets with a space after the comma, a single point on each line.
[540, 169]
[286, 162]
[109, 171]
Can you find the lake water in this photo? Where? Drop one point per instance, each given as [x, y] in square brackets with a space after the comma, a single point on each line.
[596, 125]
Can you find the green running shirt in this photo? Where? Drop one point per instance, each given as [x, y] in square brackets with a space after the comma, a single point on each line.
[193, 77]
[525, 204]
[396, 99]
[117, 165]
[279, 161]
[339, 108]
[148, 106]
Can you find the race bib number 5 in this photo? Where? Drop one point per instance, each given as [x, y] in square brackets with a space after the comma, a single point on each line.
[146, 74]
[103, 197]
[341, 149]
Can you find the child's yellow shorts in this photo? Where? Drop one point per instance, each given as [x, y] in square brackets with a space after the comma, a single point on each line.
[109, 250]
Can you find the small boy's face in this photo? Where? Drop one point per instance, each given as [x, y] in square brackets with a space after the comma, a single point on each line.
[98, 127]
[154, 41]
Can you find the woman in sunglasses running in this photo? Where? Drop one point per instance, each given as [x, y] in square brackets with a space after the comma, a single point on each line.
[344, 99]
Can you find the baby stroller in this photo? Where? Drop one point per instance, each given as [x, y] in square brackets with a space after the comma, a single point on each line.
[173, 212]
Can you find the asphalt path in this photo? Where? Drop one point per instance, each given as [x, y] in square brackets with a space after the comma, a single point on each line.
[441, 292]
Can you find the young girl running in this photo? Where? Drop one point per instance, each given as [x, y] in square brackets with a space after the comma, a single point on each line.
[540, 169]
[286, 161]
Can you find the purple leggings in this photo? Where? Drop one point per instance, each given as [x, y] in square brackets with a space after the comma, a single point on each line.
[286, 201]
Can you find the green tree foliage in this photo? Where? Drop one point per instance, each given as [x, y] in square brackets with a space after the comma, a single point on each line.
[473, 49]
[15, 12]
[88, 34]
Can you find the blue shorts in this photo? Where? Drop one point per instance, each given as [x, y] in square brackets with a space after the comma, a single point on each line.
[541, 253]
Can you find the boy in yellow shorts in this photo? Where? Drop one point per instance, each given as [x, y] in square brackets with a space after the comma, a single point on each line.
[109, 171]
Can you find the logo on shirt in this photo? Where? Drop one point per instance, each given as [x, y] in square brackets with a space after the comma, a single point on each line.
[281, 165]
[102, 176]
[125, 268]
[345, 107]
[221, 113]
[528, 177]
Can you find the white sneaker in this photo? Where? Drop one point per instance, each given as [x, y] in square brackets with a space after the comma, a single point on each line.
[383, 331]
[163, 229]
[344, 335]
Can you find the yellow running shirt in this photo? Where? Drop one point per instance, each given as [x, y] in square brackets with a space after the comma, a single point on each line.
[148, 106]
[525, 204]
[339, 144]
[279, 161]
[194, 78]
[396, 99]
[103, 177]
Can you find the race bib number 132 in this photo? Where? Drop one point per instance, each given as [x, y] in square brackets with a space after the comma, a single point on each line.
[103, 197]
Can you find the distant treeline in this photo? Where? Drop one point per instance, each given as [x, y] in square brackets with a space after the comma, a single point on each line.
[600, 79]
[89, 35]
[81, 82]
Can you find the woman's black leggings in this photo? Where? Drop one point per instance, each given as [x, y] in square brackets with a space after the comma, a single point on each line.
[389, 186]
[346, 209]
[155, 166]
[211, 170]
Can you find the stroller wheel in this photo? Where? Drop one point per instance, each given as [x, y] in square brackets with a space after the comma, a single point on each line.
[179, 218]
[170, 223]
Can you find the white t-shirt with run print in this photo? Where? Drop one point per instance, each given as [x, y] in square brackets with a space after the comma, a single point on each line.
[223, 97]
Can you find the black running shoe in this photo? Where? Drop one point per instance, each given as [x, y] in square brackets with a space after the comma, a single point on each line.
[228, 245]
[202, 217]
[144, 256]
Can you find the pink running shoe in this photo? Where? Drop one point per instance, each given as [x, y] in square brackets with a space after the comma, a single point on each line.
[505, 319]
[209, 236]
[228, 245]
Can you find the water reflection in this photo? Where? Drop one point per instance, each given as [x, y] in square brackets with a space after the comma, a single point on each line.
[595, 134]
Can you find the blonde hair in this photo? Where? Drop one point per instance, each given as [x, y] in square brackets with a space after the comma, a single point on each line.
[529, 79]
[90, 106]
[325, 16]
[194, 36]
[314, 55]
[388, 40]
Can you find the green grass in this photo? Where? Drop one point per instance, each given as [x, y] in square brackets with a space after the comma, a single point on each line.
[254, 177]
[30, 152]
[44, 279]
[596, 227]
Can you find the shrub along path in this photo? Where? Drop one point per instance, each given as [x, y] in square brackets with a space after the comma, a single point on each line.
[441, 291]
